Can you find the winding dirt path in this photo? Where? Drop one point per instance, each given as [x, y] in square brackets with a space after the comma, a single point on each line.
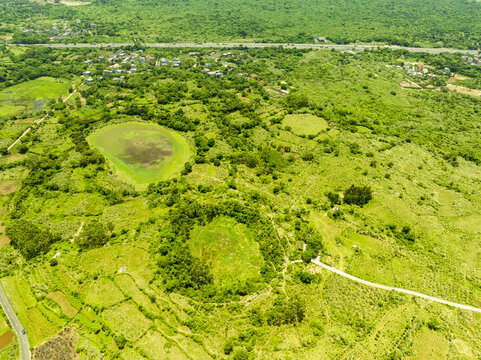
[390, 288]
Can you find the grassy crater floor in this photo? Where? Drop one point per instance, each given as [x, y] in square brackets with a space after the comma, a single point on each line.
[142, 153]
[229, 248]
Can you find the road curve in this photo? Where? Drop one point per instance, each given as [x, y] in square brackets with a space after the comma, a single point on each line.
[16, 326]
[354, 47]
[390, 288]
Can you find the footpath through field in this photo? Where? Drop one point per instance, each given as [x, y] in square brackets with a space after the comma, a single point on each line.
[37, 122]
[390, 288]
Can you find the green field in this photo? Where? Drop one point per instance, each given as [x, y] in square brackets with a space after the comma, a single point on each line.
[142, 153]
[305, 124]
[228, 248]
[30, 95]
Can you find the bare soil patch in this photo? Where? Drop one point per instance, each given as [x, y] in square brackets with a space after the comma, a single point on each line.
[6, 339]
[8, 186]
[60, 347]
[60, 298]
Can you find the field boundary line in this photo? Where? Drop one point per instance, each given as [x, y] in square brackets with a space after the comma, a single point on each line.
[391, 288]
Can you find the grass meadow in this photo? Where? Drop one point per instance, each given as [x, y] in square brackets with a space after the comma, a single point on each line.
[228, 247]
[142, 153]
[30, 95]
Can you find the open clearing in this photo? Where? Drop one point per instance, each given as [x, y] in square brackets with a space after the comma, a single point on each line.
[142, 153]
[305, 124]
[228, 247]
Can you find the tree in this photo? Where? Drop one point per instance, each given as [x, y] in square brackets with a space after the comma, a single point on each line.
[297, 101]
[29, 239]
[94, 234]
[358, 195]
[22, 148]
[286, 311]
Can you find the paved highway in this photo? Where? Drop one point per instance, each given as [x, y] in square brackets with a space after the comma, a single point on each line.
[353, 47]
[16, 325]
[390, 288]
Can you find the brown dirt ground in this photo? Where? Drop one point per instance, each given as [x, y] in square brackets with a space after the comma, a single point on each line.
[8, 186]
[6, 339]
[60, 298]
[60, 347]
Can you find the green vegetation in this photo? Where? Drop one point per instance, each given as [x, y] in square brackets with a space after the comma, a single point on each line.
[305, 124]
[229, 249]
[404, 22]
[30, 95]
[142, 153]
[376, 179]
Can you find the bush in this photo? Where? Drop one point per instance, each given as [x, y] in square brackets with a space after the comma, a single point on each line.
[286, 311]
[358, 195]
[94, 234]
[30, 239]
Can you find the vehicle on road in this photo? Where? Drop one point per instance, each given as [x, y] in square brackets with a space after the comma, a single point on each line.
[23, 331]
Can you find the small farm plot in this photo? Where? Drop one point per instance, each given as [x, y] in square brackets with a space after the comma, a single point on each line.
[127, 320]
[305, 124]
[229, 248]
[142, 153]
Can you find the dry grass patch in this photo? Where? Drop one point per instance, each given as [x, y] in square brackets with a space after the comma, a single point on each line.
[60, 347]
[463, 90]
[60, 298]
[410, 85]
[4, 240]
[8, 186]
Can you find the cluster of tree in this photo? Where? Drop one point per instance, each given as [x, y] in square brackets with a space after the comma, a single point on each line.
[313, 240]
[94, 234]
[403, 234]
[285, 310]
[30, 239]
[183, 272]
[358, 195]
